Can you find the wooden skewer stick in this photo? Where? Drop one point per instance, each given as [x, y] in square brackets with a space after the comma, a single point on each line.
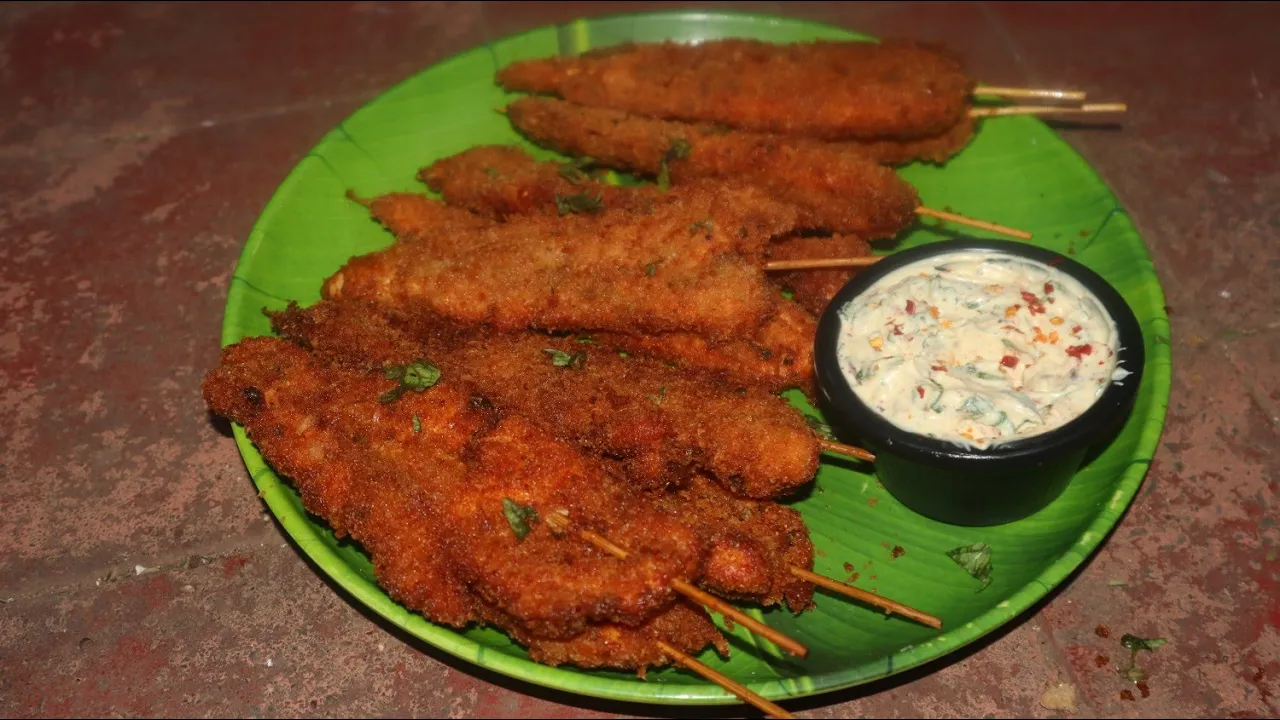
[1034, 93]
[819, 263]
[889, 606]
[734, 687]
[846, 450]
[560, 522]
[1046, 109]
[981, 224]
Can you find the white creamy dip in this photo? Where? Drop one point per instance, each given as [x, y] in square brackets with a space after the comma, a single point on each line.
[978, 348]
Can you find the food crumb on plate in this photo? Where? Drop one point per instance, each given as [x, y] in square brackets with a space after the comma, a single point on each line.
[1059, 696]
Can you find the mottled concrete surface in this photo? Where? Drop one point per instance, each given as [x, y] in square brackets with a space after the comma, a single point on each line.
[138, 143]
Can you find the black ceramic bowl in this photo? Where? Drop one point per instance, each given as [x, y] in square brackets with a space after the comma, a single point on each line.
[964, 486]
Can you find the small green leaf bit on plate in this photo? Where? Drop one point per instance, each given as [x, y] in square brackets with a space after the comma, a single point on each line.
[976, 560]
[519, 516]
[417, 376]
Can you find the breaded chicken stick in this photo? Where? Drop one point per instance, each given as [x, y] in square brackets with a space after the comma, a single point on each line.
[835, 191]
[504, 181]
[612, 271]
[828, 90]
[422, 484]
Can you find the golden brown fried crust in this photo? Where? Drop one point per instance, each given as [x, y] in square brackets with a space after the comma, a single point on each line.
[614, 271]
[753, 544]
[657, 421]
[407, 214]
[498, 181]
[354, 458]
[813, 289]
[836, 190]
[778, 357]
[684, 625]
[827, 90]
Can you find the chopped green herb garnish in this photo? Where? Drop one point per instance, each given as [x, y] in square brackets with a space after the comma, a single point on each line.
[417, 376]
[519, 516]
[575, 170]
[657, 399]
[585, 340]
[417, 424]
[651, 269]
[560, 358]
[976, 560]
[491, 172]
[582, 202]
[679, 148]
[702, 225]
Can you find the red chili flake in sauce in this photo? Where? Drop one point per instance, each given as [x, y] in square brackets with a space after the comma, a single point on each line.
[1034, 306]
[1009, 361]
[1048, 288]
[1126, 695]
[1079, 351]
[1142, 688]
[1075, 330]
[1102, 631]
[911, 307]
[939, 367]
[897, 329]
[898, 552]
[1101, 660]
[1056, 261]
[920, 390]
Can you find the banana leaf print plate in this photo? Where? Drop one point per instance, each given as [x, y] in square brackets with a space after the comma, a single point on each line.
[1016, 172]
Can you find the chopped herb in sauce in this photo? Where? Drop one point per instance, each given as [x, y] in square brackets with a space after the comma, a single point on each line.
[417, 424]
[491, 172]
[707, 225]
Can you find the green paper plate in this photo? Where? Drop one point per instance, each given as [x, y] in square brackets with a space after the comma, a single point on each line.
[1016, 172]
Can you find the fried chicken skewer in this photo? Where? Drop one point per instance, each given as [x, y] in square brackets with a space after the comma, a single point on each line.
[504, 181]
[836, 191]
[837, 187]
[778, 356]
[616, 271]
[411, 494]
[827, 90]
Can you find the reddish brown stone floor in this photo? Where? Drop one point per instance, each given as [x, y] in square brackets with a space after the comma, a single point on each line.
[138, 143]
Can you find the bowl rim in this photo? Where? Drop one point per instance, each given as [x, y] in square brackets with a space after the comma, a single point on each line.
[1107, 413]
